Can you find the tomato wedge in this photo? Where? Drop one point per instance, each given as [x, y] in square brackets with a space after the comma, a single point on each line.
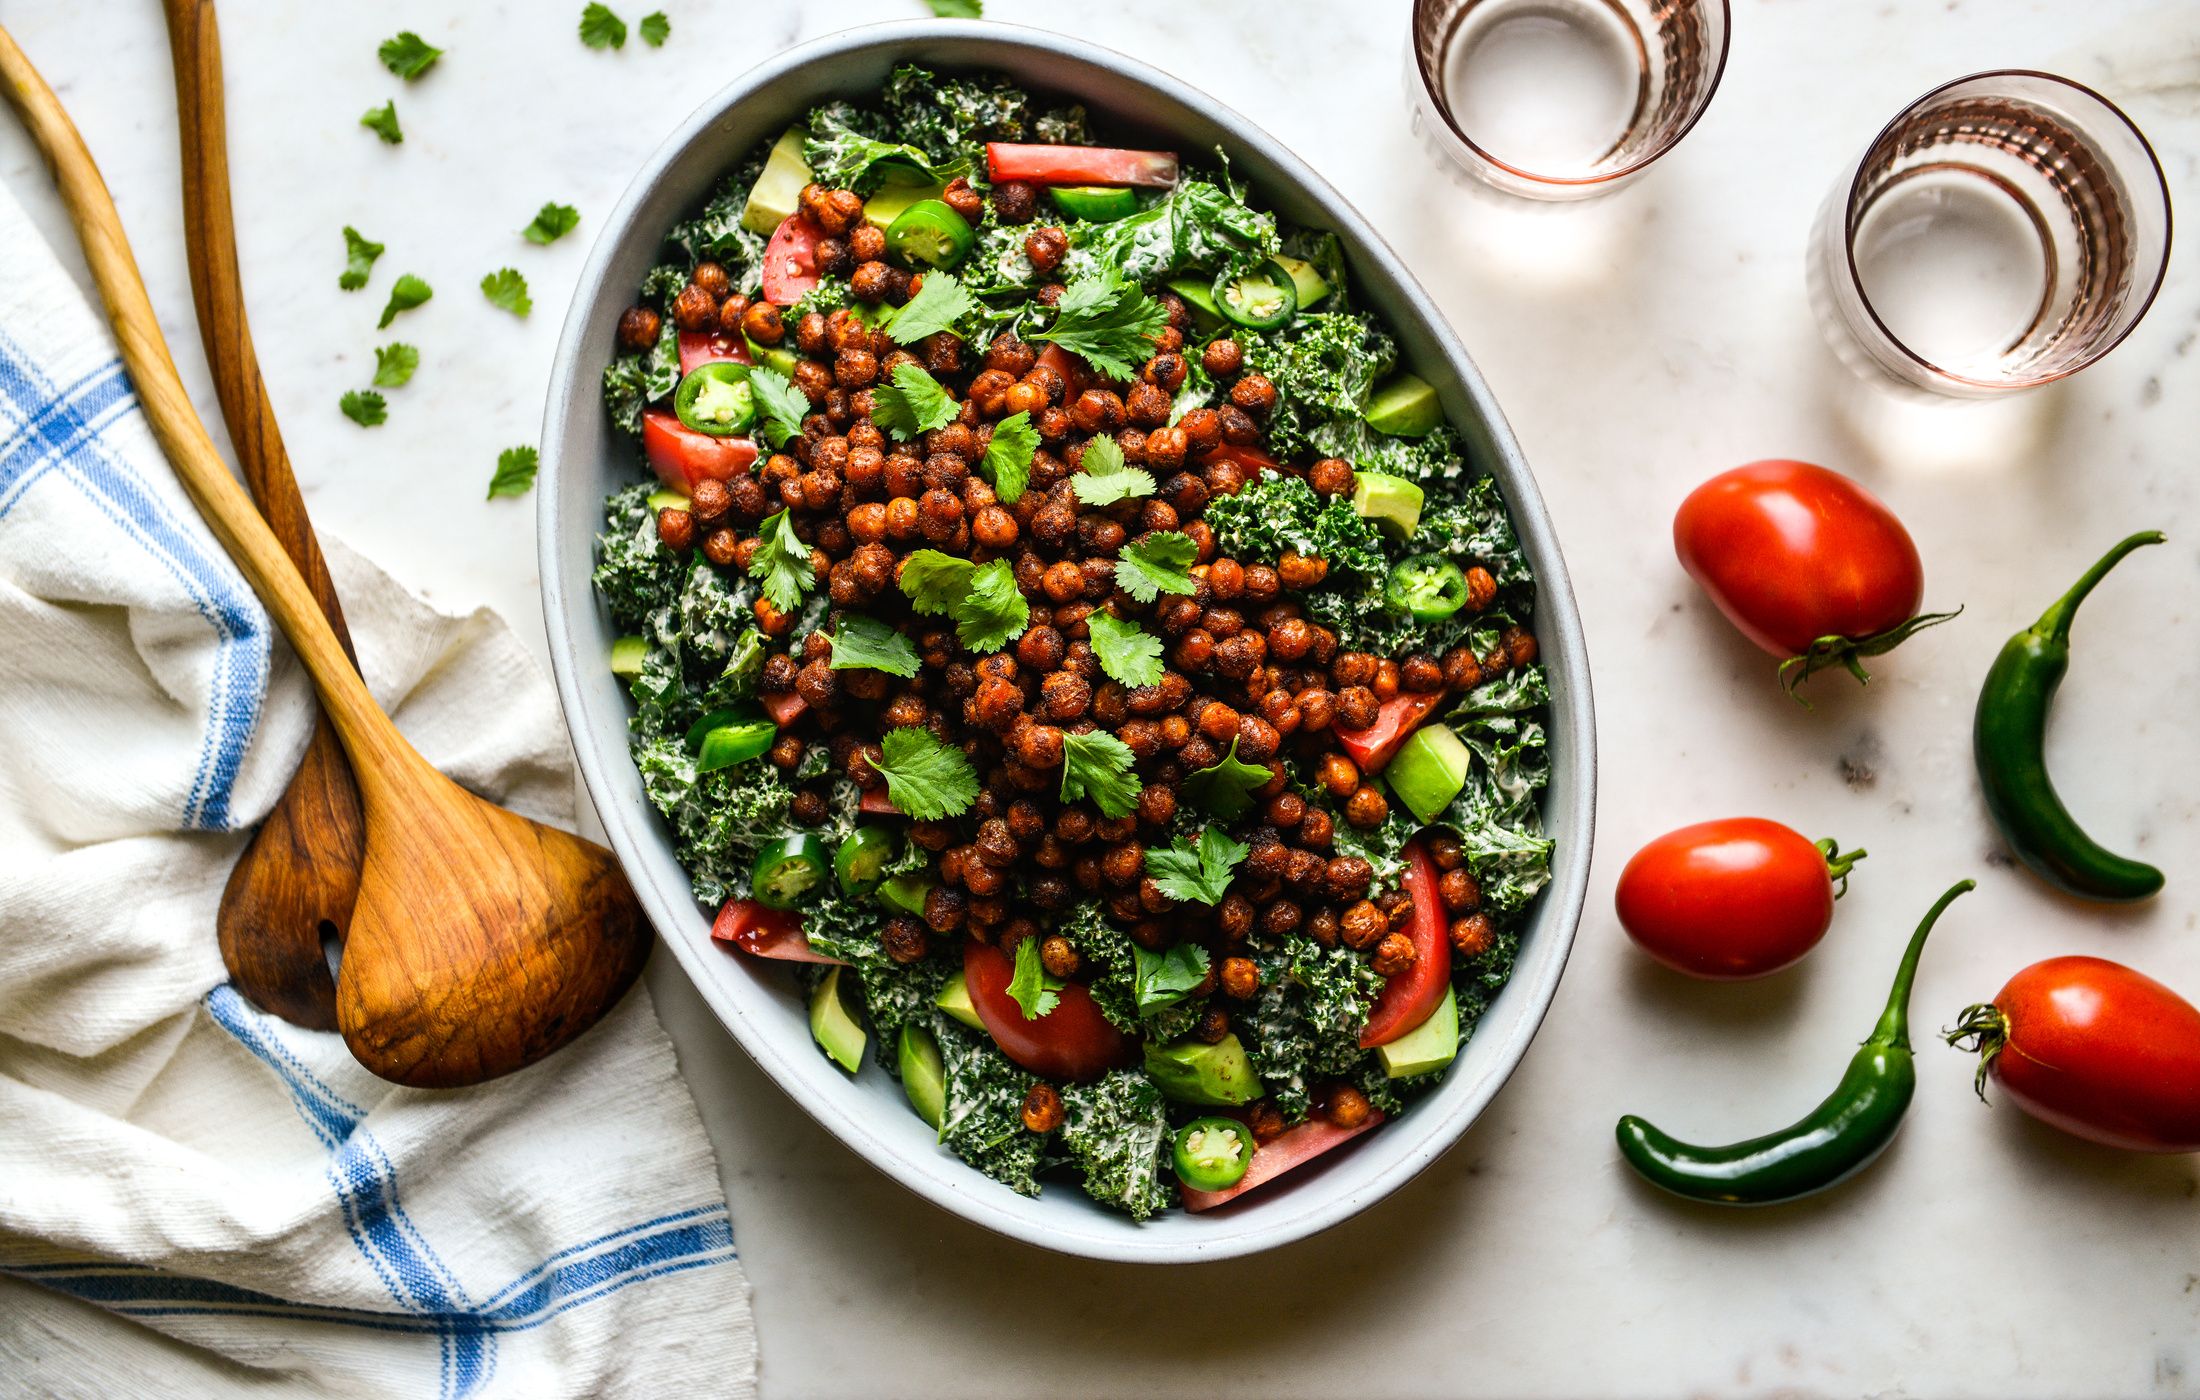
[1252, 459]
[1377, 744]
[790, 259]
[784, 708]
[1079, 165]
[709, 347]
[1414, 994]
[765, 933]
[681, 457]
[1073, 1041]
[877, 803]
[1291, 1148]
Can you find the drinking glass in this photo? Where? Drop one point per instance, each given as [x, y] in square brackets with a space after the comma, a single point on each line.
[2003, 231]
[1561, 99]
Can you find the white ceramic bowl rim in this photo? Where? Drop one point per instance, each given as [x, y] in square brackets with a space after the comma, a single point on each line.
[580, 461]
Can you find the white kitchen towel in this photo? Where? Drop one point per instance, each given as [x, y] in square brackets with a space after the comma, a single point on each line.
[199, 1199]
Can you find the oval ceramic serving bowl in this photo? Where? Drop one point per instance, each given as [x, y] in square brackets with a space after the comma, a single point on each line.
[582, 462]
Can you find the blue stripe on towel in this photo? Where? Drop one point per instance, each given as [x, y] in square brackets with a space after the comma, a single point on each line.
[60, 429]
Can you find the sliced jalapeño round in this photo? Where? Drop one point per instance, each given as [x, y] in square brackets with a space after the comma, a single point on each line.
[1099, 204]
[1213, 1153]
[1428, 586]
[860, 863]
[723, 738]
[1259, 300]
[931, 233]
[789, 870]
[716, 399]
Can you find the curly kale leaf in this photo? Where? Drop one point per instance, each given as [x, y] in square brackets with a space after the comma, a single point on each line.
[718, 820]
[1495, 815]
[1105, 947]
[636, 575]
[1117, 1134]
[848, 149]
[1326, 252]
[633, 382]
[1324, 365]
[1062, 126]
[1382, 848]
[983, 1121]
[1474, 527]
[1279, 513]
[1197, 225]
[950, 118]
[848, 928]
[715, 233]
[1306, 1023]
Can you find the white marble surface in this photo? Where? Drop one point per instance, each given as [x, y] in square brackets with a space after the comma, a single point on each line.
[1638, 345]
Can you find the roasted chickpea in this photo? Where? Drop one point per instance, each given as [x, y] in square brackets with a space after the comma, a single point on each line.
[764, 324]
[1366, 808]
[1239, 978]
[1015, 202]
[1046, 247]
[1420, 674]
[676, 528]
[1346, 1107]
[1042, 1110]
[1362, 925]
[1472, 935]
[695, 309]
[1222, 357]
[964, 200]
[638, 328]
[1202, 429]
[1147, 405]
[720, 547]
[905, 939]
[1300, 572]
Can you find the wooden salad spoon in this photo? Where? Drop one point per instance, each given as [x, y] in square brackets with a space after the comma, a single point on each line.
[294, 886]
[481, 941]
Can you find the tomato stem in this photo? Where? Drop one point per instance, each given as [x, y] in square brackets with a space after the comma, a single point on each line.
[1986, 1027]
[1839, 863]
[1837, 650]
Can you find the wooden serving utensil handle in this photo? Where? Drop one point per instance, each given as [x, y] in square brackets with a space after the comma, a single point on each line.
[228, 510]
[298, 879]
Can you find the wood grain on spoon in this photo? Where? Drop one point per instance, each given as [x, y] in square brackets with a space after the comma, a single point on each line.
[481, 940]
[299, 878]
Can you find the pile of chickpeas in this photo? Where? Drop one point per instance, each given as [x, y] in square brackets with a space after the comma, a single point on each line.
[1244, 663]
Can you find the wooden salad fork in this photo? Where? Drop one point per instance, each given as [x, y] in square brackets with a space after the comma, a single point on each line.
[481, 941]
[294, 887]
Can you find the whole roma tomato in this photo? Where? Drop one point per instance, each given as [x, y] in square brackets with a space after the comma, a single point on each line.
[1808, 564]
[2096, 1049]
[1733, 899]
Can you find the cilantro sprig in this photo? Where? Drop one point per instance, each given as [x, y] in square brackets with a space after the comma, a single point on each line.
[913, 404]
[506, 289]
[1126, 651]
[1035, 991]
[925, 778]
[655, 29]
[1156, 564]
[1103, 478]
[1008, 454]
[937, 306]
[1197, 872]
[408, 293]
[1161, 980]
[601, 29]
[1108, 320]
[1226, 787]
[515, 472]
[394, 364]
[382, 121]
[364, 407]
[408, 55]
[551, 223]
[359, 255]
[781, 564]
[988, 608]
[864, 642]
[1098, 765]
[782, 406]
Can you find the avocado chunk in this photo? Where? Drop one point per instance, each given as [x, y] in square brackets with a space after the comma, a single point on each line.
[777, 192]
[1429, 1046]
[1390, 501]
[1192, 1072]
[833, 1027]
[1310, 284]
[904, 894]
[923, 1075]
[954, 999]
[1429, 770]
[1404, 405]
[627, 655]
[1200, 296]
[658, 500]
[893, 201]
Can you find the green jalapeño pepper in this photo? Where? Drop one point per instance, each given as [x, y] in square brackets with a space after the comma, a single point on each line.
[716, 399]
[2008, 737]
[1260, 300]
[1213, 1153]
[1099, 204]
[860, 863]
[1429, 586]
[723, 738]
[931, 233]
[1832, 1142]
[789, 869]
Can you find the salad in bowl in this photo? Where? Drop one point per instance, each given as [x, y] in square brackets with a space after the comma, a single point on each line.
[1063, 635]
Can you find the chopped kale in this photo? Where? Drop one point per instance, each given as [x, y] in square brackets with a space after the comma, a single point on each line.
[848, 927]
[983, 1123]
[1117, 1134]
[1280, 512]
[1306, 1023]
[950, 119]
[1197, 225]
[1495, 814]
[847, 150]
[1324, 365]
[636, 575]
[633, 382]
[715, 233]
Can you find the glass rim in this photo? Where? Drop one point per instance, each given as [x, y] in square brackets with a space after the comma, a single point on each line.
[1711, 88]
[1909, 109]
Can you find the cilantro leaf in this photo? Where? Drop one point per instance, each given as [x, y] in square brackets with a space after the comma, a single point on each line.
[925, 778]
[656, 29]
[958, 9]
[1161, 980]
[601, 29]
[1098, 765]
[937, 306]
[934, 581]
[394, 364]
[382, 121]
[409, 292]
[359, 256]
[1126, 651]
[515, 472]
[1035, 992]
[408, 55]
[914, 403]
[782, 563]
[865, 642]
[993, 610]
[1226, 788]
[1103, 478]
[552, 222]
[1008, 454]
[782, 406]
[1197, 873]
[1155, 565]
[507, 289]
[1108, 320]
[364, 407]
